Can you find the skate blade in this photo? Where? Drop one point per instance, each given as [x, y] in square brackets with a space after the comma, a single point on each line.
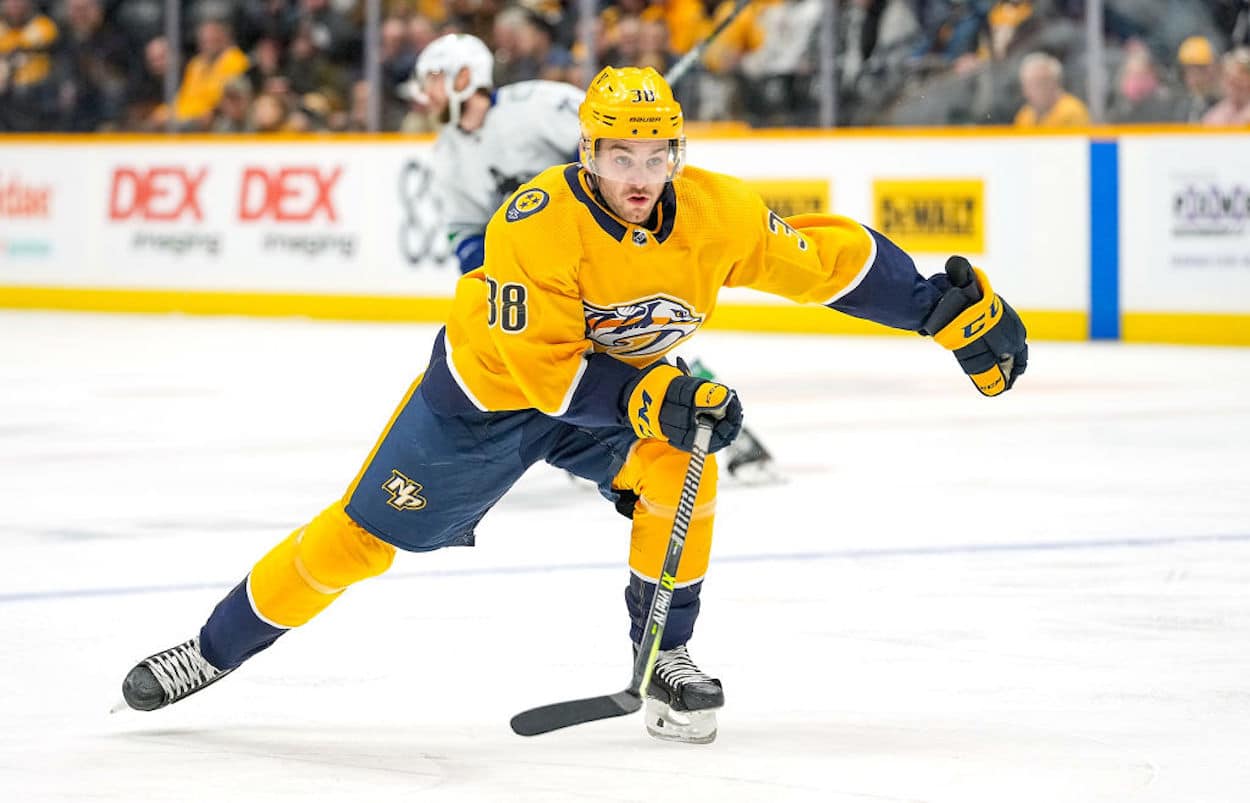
[688, 727]
[119, 706]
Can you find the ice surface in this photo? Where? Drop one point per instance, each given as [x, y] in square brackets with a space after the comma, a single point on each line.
[1041, 597]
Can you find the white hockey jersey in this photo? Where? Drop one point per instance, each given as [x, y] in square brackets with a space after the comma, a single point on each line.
[531, 126]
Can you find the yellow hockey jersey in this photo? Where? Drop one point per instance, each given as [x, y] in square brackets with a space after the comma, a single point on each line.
[572, 301]
[27, 51]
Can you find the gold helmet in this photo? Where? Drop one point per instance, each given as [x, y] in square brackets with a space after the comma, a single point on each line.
[632, 103]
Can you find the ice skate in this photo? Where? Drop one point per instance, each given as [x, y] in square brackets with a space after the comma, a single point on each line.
[168, 676]
[682, 699]
[748, 462]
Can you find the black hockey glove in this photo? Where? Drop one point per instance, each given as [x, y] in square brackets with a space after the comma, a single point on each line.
[984, 332]
[662, 402]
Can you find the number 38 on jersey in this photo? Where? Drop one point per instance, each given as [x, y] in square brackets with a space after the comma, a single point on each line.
[505, 305]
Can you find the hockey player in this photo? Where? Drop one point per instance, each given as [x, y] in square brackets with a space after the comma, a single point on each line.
[554, 350]
[492, 142]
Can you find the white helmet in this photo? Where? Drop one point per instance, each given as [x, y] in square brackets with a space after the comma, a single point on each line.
[449, 54]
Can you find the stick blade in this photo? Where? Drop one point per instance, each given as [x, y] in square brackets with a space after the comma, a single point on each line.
[547, 718]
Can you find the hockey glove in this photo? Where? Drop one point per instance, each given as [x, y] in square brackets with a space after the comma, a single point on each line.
[984, 332]
[662, 402]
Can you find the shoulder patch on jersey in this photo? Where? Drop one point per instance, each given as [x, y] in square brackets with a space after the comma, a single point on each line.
[527, 203]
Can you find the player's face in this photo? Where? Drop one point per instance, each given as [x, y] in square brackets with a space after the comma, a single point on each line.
[632, 174]
[435, 89]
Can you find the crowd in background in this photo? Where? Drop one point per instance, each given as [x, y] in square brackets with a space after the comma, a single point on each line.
[296, 65]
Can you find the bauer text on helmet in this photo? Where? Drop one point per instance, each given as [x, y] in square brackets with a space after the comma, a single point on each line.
[631, 103]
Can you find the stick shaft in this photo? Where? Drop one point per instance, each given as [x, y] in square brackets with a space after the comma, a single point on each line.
[657, 616]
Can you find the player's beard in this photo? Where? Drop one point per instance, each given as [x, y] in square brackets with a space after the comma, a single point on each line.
[616, 196]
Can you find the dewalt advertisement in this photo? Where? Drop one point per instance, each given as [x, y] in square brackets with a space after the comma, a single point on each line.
[945, 216]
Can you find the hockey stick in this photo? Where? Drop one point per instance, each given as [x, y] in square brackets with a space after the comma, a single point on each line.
[574, 712]
[687, 61]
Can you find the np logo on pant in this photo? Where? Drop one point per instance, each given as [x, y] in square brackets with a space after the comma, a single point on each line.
[405, 494]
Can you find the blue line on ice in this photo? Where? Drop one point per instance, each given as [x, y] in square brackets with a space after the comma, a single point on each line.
[781, 557]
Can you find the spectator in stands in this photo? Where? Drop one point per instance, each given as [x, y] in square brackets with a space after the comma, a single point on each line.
[215, 63]
[358, 107]
[475, 17]
[332, 33]
[1234, 107]
[879, 35]
[27, 86]
[91, 68]
[539, 55]
[398, 58]
[396, 53]
[309, 69]
[624, 40]
[740, 37]
[716, 97]
[278, 86]
[612, 15]
[233, 109]
[421, 32]
[269, 114]
[1201, 77]
[310, 114]
[265, 19]
[1140, 96]
[684, 20]
[1047, 105]
[653, 49]
[266, 61]
[952, 31]
[778, 73]
[506, 34]
[874, 28]
[1011, 23]
[145, 90]
[587, 29]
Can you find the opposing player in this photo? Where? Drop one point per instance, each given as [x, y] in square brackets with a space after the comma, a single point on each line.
[492, 142]
[554, 351]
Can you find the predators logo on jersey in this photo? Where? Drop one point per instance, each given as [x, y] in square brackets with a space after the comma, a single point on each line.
[642, 327]
[527, 203]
